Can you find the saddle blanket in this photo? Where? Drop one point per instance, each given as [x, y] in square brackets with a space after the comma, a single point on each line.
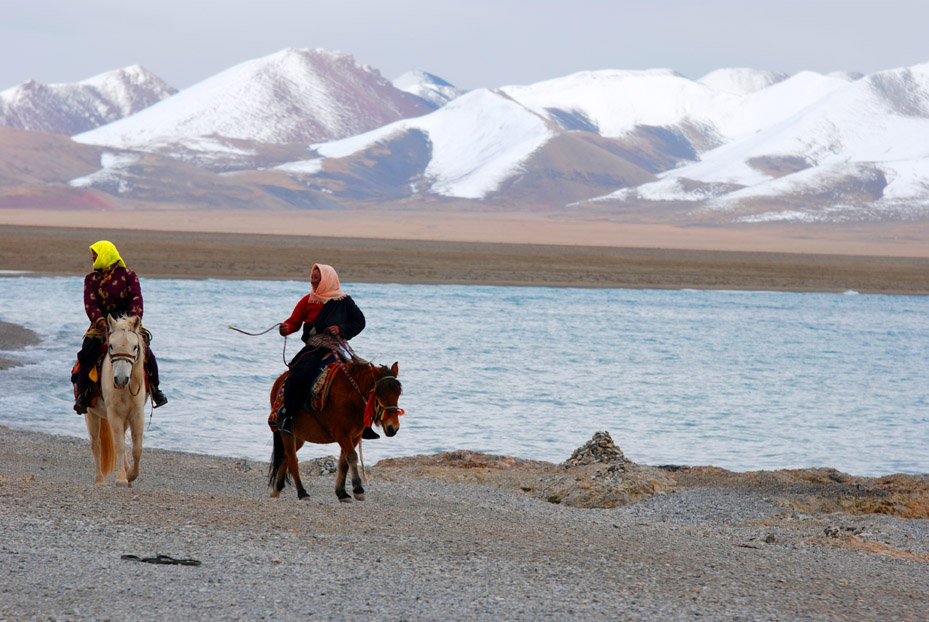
[318, 394]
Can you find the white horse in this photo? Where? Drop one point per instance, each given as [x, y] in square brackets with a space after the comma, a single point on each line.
[121, 408]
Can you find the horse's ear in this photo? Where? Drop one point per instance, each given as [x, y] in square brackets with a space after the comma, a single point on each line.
[111, 322]
[136, 323]
[394, 369]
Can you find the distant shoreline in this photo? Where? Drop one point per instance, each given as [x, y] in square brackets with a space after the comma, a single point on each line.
[60, 251]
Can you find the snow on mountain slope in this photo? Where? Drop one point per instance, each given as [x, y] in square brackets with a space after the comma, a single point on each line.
[770, 106]
[740, 80]
[725, 104]
[866, 142]
[81, 106]
[427, 86]
[287, 97]
[613, 103]
[477, 141]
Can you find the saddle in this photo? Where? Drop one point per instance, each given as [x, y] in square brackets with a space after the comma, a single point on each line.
[318, 394]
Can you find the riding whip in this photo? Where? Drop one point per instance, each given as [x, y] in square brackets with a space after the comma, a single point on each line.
[283, 353]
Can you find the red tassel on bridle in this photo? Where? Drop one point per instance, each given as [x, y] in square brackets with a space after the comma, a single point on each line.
[375, 409]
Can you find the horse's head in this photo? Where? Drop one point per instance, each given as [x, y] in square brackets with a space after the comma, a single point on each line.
[387, 390]
[124, 347]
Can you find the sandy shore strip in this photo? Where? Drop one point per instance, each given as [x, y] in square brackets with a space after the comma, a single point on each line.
[176, 254]
[465, 537]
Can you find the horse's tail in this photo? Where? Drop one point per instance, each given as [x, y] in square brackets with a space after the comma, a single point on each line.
[107, 451]
[277, 461]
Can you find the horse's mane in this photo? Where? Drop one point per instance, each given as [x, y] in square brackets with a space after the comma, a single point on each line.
[387, 378]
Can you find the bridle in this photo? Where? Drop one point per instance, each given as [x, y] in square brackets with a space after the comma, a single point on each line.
[374, 405]
[132, 359]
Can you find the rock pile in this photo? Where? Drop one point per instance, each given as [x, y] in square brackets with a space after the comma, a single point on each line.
[598, 475]
[598, 450]
[325, 465]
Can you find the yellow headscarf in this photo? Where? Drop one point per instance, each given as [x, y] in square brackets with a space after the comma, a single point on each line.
[107, 255]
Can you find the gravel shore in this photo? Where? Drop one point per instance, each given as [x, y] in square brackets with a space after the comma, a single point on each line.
[434, 540]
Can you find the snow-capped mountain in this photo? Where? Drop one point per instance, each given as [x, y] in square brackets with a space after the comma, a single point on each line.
[293, 96]
[311, 128]
[478, 146]
[860, 151]
[605, 127]
[427, 86]
[82, 106]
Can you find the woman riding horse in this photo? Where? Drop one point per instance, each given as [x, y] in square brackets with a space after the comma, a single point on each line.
[111, 289]
[326, 309]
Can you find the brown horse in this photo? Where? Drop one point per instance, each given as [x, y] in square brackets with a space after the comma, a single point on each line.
[356, 387]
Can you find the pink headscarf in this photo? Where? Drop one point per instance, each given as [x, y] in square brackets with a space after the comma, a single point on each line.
[328, 287]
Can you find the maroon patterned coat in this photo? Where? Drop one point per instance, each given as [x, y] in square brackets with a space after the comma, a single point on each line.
[114, 291]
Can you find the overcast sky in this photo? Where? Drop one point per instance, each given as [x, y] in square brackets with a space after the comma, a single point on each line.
[470, 43]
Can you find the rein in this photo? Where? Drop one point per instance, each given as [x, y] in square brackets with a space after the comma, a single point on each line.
[375, 406]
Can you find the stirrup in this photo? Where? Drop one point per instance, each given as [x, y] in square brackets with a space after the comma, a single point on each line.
[369, 434]
[286, 426]
[158, 398]
[80, 406]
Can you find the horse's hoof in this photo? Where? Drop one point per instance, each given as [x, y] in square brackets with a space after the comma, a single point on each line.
[359, 496]
[345, 500]
[303, 496]
[343, 496]
[122, 482]
[275, 494]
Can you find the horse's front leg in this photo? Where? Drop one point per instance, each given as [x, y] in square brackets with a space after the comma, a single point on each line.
[118, 427]
[348, 459]
[358, 489]
[136, 426]
[93, 429]
[340, 478]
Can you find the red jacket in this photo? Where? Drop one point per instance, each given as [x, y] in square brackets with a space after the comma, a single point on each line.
[305, 311]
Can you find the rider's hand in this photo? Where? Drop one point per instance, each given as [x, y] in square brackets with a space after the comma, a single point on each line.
[334, 330]
[284, 330]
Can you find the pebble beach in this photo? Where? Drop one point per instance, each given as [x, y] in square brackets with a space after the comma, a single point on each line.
[436, 539]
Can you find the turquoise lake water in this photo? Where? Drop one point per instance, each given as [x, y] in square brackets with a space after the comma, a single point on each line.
[740, 380]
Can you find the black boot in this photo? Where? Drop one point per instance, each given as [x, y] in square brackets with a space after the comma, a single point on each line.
[370, 434]
[81, 404]
[286, 423]
[158, 397]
